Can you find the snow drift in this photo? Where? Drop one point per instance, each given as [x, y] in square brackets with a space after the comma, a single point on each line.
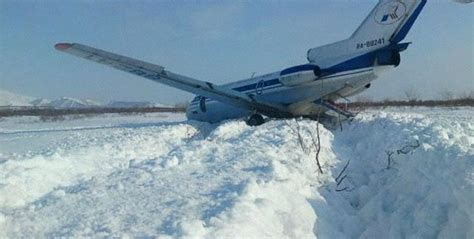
[141, 176]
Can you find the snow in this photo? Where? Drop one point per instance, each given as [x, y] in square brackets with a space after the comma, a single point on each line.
[41, 103]
[11, 99]
[132, 104]
[160, 175]
[67, 102]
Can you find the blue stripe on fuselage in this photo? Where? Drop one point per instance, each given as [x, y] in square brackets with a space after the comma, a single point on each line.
[272, 84]
[254, 85]
[359, 62]
[295, 69]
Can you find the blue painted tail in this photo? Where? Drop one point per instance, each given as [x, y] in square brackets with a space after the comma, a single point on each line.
[386, 25]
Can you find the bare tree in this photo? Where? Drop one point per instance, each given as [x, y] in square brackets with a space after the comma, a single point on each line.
[191, 133]
[446, 95]
[364, 99]
[466, 95]
[297, 132]
[317, 145]
[340, 176]
[315, 141]
[409, 148]
[389, 158]
[181, 105]
[411, 94]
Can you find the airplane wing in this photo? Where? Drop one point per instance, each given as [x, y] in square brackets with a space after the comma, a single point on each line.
[159, 74]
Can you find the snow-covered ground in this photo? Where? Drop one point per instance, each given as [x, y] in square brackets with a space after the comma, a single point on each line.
[160, 175]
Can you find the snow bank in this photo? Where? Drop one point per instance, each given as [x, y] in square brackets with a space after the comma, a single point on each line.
[426, 193]
[189, 179]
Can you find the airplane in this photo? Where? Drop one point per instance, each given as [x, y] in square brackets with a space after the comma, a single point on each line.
[334, 71]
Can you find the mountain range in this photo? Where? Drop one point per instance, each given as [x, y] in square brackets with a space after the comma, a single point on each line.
[9, 99]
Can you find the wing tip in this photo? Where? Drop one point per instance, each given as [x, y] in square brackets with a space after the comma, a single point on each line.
[62, 46]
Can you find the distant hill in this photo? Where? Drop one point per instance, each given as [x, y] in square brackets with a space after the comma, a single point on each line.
[11, 99]
[41, 103]
[68, 103]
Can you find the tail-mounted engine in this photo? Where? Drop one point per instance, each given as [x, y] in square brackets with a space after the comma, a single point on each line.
[298, 75]
[389, 57]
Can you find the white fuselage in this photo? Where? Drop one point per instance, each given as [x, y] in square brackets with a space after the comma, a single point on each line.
[299, 98]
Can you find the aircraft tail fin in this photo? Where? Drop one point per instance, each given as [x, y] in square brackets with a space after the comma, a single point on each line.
[387, 24]
[390, 19]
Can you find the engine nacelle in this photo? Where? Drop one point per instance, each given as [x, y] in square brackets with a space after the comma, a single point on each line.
[388, 58]
[298, 75]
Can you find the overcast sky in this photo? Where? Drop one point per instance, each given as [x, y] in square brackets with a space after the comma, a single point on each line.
[217, 41]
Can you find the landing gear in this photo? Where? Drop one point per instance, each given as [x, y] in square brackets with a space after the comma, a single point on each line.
[255, 120]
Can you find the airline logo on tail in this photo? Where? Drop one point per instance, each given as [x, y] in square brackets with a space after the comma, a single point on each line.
[390, 13]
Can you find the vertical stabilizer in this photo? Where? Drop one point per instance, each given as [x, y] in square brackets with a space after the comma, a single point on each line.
[390, 20]
[387, 24]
